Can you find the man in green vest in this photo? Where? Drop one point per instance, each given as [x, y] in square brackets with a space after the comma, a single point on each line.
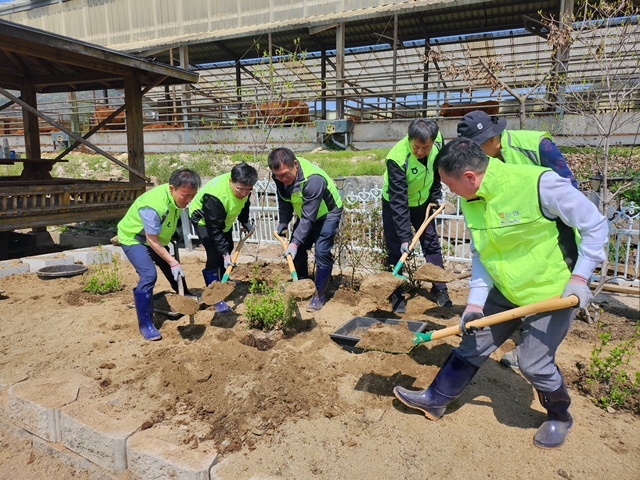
[144, 233]
[308, 191]
[213, 211]
[524, 250]
[410, 184]
[519, 147]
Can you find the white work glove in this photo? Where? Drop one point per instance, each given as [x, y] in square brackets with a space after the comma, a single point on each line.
[227, 261]
[282, 229]
[471, 312]
[248, 226]
[176, 270]
[404, 248]
[577, 285]
[292, 250]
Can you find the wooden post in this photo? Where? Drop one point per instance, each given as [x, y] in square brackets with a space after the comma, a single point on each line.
[135, 135]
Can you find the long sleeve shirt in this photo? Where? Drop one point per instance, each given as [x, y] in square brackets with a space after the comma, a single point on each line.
[215, 216]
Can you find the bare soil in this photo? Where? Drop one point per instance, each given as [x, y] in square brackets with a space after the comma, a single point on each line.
[433, 273]
[182, 304]
[302, 289]
[380, 285]
[389, 338]
[217, 292]
[295, 404]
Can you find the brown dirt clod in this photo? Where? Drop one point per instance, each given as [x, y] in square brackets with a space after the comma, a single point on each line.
[216, 292]
[433, 273]
[301, 289]
[393, 338]
[380, 285]
[182, 304]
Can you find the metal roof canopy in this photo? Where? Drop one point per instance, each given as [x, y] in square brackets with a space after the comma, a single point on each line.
[34, 61]
[53, 63]
[366, 27]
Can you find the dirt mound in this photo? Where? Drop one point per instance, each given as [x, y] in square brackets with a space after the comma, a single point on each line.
[433, 273]
[380, 285]
[182, 304]
[384, 337]
[302, 289]
[217, 291]
[261, 271]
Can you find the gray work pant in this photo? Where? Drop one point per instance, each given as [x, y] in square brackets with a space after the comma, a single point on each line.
[540, 336]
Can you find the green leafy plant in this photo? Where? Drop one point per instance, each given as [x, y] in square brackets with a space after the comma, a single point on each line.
[607, 376]
[103, 278]
[268, 307]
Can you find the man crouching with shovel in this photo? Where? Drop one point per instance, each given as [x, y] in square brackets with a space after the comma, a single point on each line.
[521, 220]
[144, 233]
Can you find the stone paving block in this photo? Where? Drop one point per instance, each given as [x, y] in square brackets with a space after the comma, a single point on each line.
[98, 431]
[90, 256]
[47, 260]
[116, 252]
[13, 267]
[151, 457]
[34, 405]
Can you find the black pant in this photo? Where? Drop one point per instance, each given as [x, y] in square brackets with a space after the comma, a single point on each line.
[429, 240]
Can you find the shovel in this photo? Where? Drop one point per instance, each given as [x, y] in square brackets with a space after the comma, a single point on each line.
[416, 238]
[292, 267]
[234, 255]
[301, 289]
[547, 305]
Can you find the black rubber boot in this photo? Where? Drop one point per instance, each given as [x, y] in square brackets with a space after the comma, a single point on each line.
[144, 310]
[322, 281]
[398, 304]
[451, 380]
[553, 432]
[211, 276]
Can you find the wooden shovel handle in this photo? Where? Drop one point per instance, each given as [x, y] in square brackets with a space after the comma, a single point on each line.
[236, 253]
[180, 286]
[285, 244]
[547, 305]
[420, 230]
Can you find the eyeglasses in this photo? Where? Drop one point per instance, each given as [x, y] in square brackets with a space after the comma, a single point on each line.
[242, 190]
[284, 174]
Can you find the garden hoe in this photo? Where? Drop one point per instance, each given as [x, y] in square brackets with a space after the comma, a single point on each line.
[416, 238]
[236, 253]
[302, 289]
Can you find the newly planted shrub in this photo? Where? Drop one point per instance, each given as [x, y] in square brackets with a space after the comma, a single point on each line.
[103, 278]
[268, 306]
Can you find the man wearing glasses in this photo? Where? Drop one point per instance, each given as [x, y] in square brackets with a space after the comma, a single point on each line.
[213, 210]
[308, 191]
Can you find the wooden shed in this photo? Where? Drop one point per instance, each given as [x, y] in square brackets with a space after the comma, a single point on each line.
[34, 61]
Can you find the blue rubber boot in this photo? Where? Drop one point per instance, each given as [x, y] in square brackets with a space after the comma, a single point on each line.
[451, 380]
[144, 310]
[211, 276]
[322, 281]
[553, 432]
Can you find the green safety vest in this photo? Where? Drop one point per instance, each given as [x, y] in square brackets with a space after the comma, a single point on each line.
[130, 228]
[522, 147]
[220, 188]
[517, 244]
[296, 199]
[419, 176]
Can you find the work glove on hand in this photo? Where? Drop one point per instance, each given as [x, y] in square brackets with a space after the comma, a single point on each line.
[577, 285]
[404, 248]
[282, 229]
[248, 226]
[176, 270]
[292, 250]
[472, 312]
[227, 261]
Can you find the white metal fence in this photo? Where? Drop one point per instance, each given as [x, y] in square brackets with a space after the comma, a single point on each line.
[454, 236]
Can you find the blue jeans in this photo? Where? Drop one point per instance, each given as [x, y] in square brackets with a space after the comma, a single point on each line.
[144, 260]
[540, 336]
[323, 235]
